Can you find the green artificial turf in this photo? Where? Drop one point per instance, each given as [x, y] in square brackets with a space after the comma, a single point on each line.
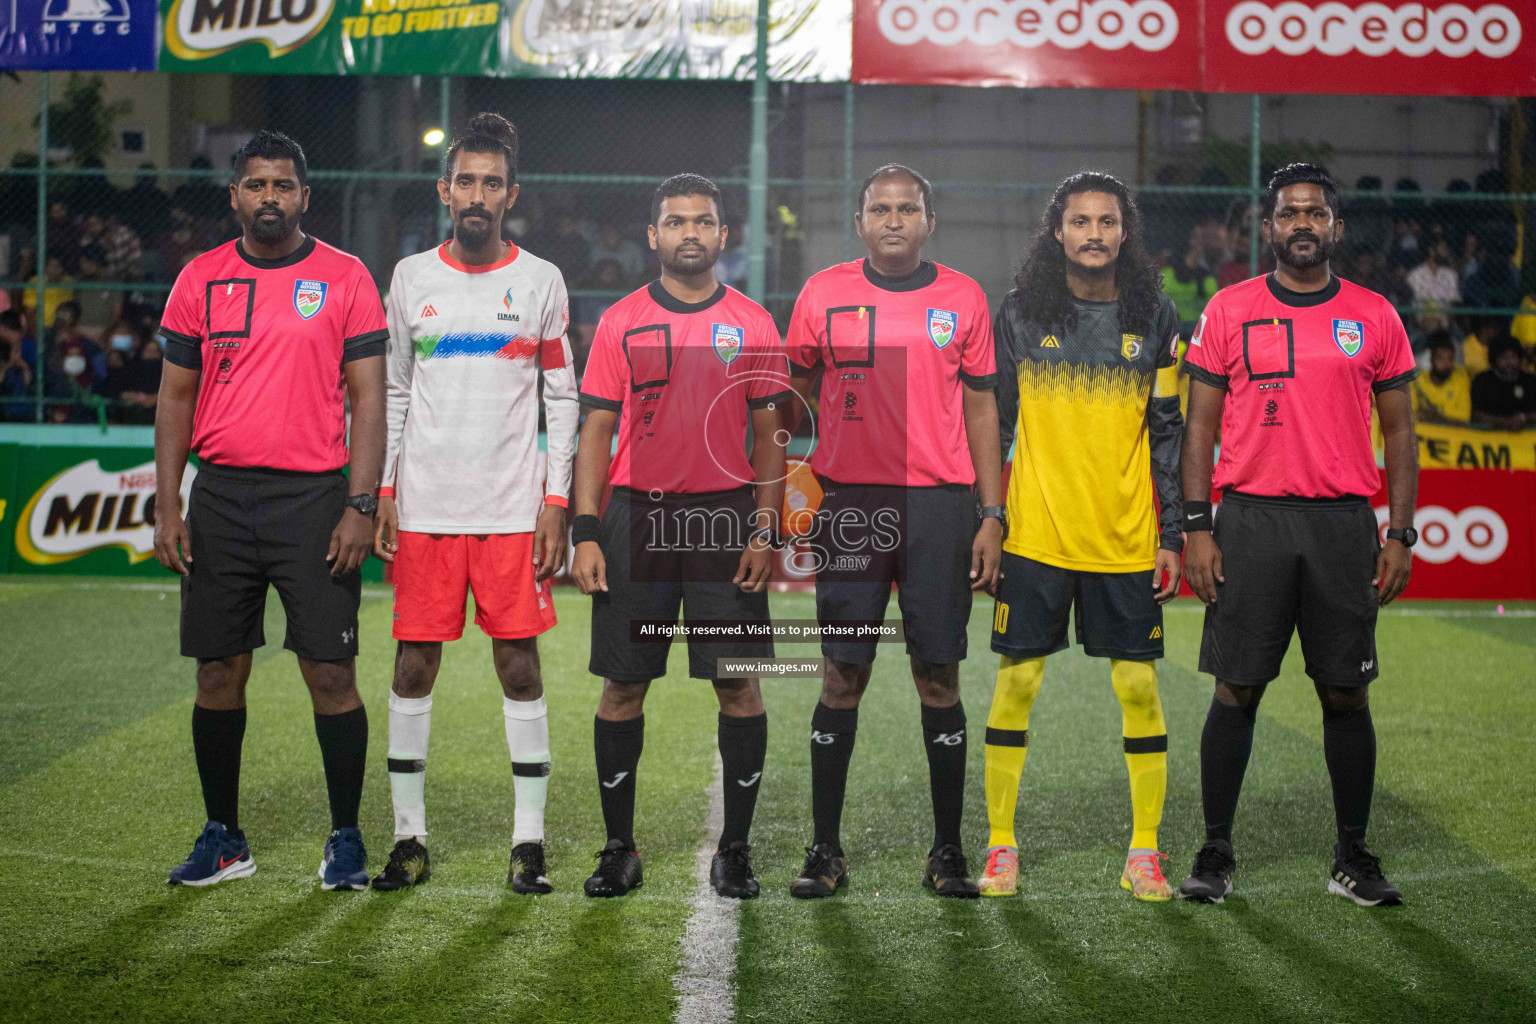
[99, 799]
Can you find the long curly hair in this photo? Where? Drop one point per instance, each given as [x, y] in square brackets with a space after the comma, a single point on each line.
[1041, 284]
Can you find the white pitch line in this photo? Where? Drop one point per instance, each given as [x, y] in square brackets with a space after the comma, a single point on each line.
[705, 975]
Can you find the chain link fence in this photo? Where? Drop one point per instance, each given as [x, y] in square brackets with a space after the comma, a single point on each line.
[1437, 203]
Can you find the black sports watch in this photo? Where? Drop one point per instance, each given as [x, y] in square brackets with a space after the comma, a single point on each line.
[998, 512]
[1409, 537]
[364, 503]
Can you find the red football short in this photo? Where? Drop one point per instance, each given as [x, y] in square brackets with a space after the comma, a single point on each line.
[435, 572]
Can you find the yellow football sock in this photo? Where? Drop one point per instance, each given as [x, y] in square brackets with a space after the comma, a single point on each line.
[1018, 684]
[1146, 746]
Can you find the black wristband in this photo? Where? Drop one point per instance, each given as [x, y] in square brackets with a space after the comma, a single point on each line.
[585, 528]
[1197, 517]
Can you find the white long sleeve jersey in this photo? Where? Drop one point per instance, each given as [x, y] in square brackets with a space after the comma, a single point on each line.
[466, 347]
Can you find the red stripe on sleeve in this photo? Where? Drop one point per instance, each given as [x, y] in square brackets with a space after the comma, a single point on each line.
[551, 354]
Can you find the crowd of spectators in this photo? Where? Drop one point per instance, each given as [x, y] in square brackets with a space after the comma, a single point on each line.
[1442, 262]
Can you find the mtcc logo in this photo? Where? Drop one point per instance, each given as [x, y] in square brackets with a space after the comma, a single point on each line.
[1477, 533]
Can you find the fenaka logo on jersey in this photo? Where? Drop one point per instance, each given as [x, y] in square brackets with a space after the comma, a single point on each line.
[727, 339]
[86, 508]
[941, 326]
[198, 29]
[1374, 29]
[1349, 334]
[506, 301]
[1130, 346]
[308, 297]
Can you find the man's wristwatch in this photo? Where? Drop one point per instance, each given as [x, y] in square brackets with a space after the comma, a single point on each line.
[1409, 537]
[364, 503]
[998, 512]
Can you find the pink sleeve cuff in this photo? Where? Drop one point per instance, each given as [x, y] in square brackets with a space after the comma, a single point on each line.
[386, 492]
[555, 499]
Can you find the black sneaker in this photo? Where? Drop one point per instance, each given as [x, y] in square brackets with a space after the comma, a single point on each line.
[731, 872]
[825, 872]
[526, 873]
[1210, 880]
[408, 865]
[617, 872]
[945, 873]
[1357, 874]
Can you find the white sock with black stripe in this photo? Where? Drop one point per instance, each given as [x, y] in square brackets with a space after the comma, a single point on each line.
[410, 723]
[528, 742]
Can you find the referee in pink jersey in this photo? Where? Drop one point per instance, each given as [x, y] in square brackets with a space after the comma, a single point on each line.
[1289, 365]
[266, 338]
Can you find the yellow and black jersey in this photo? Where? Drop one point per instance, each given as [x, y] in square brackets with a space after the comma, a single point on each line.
[1096, 414]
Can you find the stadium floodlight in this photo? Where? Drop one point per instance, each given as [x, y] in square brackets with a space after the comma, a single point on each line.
[434, 137]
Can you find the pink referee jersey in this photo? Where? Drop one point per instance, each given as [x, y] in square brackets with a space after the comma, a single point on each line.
[1299, 369]
[270, 337]
[684, 376]
[894, 355]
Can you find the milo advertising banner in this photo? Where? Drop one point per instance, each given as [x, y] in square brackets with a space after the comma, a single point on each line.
[809, 39]
[84, 511]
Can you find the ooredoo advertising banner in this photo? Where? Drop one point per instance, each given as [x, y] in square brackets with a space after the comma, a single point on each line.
[1265, 46]
[1477, 535]
[1421, 49]
[1103, 44]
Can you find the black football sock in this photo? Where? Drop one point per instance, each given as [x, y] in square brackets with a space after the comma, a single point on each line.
[944, 739]
[832, 735]
[617, 746]
[1225, 744]
[1349, 747]
[344, 749]
[743, 748]
[217, 737]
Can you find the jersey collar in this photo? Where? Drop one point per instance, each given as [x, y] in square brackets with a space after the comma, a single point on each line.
[667, 301]
[298, 255]
[1302, 299]
[925, 274]
[442, 252]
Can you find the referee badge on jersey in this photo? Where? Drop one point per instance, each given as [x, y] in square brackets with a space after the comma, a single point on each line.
[1349, 335]
[1130, 347]
[309, 297]
[727, 339]
[941, 326]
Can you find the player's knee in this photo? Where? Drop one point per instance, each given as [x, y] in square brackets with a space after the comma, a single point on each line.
[330, 681]
[621, 700]
[1343, 698]
[844, 683]
[1135, 683]
[517, 666]
[416, 666]
[221, 681]
[739, 697]
[937, 685]
[1239, 696]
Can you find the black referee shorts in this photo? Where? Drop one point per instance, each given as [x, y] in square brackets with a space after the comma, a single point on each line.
[1293, 565]
[679, 550]
[1116, 615]
[254, 527]
[870, 535]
